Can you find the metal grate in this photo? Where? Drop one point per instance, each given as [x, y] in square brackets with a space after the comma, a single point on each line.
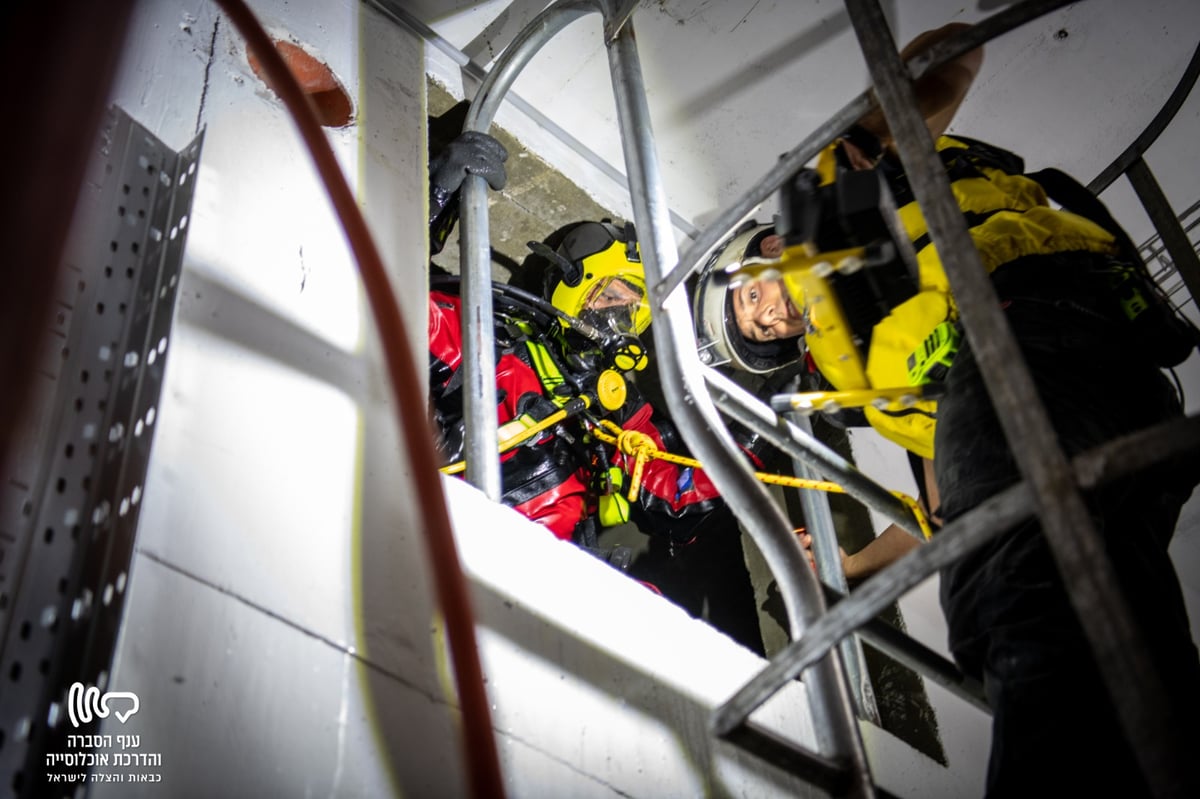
[69, 507]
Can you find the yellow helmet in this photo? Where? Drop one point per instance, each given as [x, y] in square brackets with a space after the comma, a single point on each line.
[602, 278]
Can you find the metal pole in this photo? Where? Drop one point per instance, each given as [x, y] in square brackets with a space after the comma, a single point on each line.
[1169, 228]
[701, 426]
[1131, 163]
[872, 597]
[818, 520]
[906, 650]
[479, 337]
[791, 440]
[735, 402]
[1078, 551]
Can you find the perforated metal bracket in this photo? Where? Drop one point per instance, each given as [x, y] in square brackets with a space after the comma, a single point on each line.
[69, 498]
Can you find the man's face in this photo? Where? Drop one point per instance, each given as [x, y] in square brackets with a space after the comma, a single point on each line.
[615, 305]
[612, 293]
[765, 312]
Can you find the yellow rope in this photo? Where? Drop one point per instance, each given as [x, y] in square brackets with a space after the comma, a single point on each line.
[642, 448]
[918, 512]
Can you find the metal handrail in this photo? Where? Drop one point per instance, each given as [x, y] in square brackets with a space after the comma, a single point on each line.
[817, 513]
[1163, 269]
[834, 722]
[744, 408]
[479, 338]
[395, 11]
[1158, 124]
[1132, 164]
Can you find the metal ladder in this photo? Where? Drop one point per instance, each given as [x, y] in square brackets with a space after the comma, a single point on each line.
[700, 395]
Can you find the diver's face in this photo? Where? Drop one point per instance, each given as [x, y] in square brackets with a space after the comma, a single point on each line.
[765, 312]
[612, 294]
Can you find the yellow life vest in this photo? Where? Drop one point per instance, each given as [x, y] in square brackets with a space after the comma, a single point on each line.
[1008, 216]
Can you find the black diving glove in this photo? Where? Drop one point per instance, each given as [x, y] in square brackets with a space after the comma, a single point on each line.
[471, 153]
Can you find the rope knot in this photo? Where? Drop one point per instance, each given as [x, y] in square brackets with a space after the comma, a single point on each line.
[639, 445]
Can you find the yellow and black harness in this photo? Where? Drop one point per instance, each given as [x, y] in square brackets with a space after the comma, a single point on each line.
[899, 356]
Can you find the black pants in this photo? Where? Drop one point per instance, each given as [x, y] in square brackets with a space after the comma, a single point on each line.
[1011, 624]
[708, 578]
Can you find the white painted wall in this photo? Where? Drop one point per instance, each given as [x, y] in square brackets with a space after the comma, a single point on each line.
[277, 630]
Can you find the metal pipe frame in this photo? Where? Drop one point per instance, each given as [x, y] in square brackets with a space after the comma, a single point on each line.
[393, 10]
[818, 520]
[1092, 469]
[1170, 229]
[837, 731]
[1077, 549]
[479, 336]
[1142, 143]
[906, 650]
[1154, 250]
[695, 414]
[874, 595]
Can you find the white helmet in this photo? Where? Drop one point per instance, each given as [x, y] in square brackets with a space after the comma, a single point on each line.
[721, 342]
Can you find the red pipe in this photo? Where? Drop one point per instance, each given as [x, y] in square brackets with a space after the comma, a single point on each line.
[453, 597]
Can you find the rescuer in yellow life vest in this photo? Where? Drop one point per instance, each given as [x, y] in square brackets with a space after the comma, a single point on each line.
[1093, 332]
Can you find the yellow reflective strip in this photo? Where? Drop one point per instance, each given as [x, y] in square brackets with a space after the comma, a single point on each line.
[547, 371]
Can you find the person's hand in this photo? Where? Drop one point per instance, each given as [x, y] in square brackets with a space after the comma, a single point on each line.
[472, 153]
[771, 246]
[806, 545]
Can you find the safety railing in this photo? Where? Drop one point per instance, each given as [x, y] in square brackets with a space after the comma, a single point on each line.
[699, 396]
[1164, 269]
